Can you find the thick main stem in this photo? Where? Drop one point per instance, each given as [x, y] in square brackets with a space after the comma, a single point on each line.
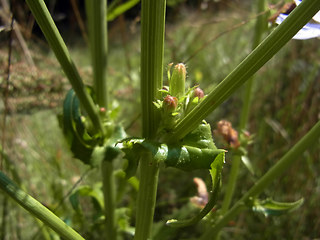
[152, 46]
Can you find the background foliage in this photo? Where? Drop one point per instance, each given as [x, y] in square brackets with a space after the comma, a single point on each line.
[286, 104]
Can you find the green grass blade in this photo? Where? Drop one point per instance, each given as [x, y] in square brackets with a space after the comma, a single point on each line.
[249, 66]
[37, 209]
[117, 11]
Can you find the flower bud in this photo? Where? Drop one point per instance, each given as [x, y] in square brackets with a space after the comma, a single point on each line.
[228, 133]
[177, 80]
[169, 114]
[170, 103]
[198, 93]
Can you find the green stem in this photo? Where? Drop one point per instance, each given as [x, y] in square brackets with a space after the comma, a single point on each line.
[277, 170]
[97, 25]
[236, 160]
[37, 209]
[249, 66]
[109, 198]
[152, 47]
[49, 29]
[149, 172]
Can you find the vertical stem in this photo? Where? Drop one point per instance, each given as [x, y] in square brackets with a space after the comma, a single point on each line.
[109, 198]
[231, 184]
[147, 194]
[97, 25]
[152, 47]
[259, 30]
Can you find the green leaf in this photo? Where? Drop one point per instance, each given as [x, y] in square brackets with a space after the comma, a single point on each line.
[270, 207]
[80, 141]
[201, 137]
[215, 171]
[95, 193]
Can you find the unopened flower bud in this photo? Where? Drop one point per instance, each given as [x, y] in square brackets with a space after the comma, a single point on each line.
[170, 103]
[228, 133]
[198, 93]
[177, 80]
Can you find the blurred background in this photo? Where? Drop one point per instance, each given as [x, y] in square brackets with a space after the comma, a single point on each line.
[211, 37]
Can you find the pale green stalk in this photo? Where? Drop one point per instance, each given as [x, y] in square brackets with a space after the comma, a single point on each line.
[109, 199]
[250, 65]
[276, 171]
[97, 26]
[50, 31]
[236, 160]
[37, 209]
[152, 47]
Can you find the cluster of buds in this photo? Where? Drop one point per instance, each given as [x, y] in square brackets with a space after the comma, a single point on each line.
[224, 129]
[176, 101]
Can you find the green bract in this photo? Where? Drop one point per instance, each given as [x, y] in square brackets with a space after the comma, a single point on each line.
[269, 207]
[177, 80]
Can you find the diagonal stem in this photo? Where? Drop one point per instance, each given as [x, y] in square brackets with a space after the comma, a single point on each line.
[37, 209]
[49, 29]
[277, 170]
[249, 66]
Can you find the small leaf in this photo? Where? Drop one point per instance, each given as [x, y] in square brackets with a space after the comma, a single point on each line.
[95, 193]
[216, 168]
[270, 207]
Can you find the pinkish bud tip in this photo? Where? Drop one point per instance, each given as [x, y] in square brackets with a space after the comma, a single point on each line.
[170, 102]
[198, 93]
